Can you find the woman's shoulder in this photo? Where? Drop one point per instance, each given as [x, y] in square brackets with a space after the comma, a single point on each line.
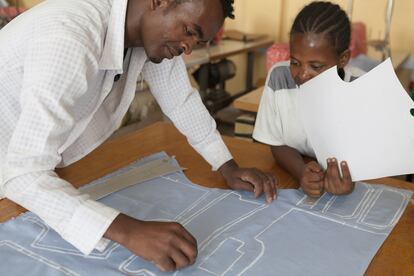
[279, 77]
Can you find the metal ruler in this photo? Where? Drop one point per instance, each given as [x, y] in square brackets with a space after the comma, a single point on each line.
[132, 177]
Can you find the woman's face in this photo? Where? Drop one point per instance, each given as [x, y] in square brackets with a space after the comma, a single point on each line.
[311, 54]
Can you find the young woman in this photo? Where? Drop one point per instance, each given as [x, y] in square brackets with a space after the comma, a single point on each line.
[319, 39]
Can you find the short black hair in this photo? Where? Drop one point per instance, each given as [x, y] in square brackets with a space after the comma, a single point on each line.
[228, 8]
[227, 5]
[326, 18]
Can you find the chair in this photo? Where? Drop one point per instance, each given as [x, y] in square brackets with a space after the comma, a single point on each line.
[276, 53]
[383, 45]
[358, 43]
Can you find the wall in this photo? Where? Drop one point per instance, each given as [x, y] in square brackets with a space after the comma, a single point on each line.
[26, 3]
[254, 16]
[372, 13]
[274, 18]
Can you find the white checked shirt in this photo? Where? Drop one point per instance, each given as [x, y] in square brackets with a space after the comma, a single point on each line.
[59, 101]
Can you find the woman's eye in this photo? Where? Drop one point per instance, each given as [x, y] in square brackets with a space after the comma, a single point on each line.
[316, 67]
[293, 62]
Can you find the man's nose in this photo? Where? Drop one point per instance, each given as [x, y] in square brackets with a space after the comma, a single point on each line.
[188, 45]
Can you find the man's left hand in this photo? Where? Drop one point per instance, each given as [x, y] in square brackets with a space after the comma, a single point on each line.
[249, 179]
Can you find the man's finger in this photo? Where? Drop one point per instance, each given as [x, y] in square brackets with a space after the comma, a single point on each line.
[182, 232]
[243, 185]
[165, 264]
[180, 259]
[269, 191]
[274, 183]
[184, 246]
[255, 180]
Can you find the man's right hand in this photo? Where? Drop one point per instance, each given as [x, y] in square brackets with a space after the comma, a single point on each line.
[312, 179]
[166, 244]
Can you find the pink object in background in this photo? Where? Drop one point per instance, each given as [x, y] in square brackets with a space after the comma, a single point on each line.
[9, 13]
[219, 35]
[358, 39]
[276, 53]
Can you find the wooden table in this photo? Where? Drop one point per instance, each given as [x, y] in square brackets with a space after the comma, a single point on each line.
[249, 102]
[396, 256]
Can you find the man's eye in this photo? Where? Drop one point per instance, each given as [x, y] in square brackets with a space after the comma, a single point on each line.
[188, 31]
[293, 62]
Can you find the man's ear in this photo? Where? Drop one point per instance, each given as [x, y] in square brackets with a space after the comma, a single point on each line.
[159, 3]
[344, 58]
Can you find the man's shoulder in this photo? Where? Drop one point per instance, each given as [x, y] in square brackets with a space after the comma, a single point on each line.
[78, 16]
[83, 22]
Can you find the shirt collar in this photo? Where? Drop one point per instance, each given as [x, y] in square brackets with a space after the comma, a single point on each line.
[113, 50]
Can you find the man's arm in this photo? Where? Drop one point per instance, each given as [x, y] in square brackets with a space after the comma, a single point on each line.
[58, 72]
[179, 101]
[171, 87]
[56, 76]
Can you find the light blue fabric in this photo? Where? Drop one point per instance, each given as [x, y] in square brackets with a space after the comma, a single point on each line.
[236, 233]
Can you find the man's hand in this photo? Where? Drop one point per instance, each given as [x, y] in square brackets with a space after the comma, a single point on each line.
[333, 182]
[249, 179]
[312, 179]
[166, 244]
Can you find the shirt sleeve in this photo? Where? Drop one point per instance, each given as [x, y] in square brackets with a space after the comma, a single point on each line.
[268, 126]
[57, 73]
[182, 103]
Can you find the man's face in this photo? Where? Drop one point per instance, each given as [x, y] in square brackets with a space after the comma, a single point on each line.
[171, 29]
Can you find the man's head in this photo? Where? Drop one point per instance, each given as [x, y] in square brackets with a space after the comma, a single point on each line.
[319, 39]
[169, 28]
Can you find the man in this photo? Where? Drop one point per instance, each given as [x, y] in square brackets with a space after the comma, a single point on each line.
[68, 74]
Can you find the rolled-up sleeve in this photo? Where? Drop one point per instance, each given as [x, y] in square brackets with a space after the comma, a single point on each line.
[182, 103]
[57, 72]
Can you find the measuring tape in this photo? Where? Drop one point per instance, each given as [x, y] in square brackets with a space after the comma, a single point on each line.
[148, 171]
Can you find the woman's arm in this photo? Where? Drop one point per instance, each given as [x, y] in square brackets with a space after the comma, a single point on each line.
[309, 175]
